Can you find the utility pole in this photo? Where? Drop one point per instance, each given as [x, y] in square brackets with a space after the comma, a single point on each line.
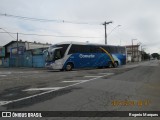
[138, 51]
[132, 52]
[132, 59]
[105, 26]
[17, 42]
[17, 52]
[141, 54]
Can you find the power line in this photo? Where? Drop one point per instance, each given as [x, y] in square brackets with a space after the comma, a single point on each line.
[46, 20]
[33, 34]
[8, 33]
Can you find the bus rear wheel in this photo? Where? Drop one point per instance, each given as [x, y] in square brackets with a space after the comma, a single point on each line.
[110, 65]
[69, 67]
[115, 64]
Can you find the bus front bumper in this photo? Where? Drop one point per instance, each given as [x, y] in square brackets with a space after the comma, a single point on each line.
[53, 66]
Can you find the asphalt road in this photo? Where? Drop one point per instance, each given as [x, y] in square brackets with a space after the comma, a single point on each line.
[127, 88]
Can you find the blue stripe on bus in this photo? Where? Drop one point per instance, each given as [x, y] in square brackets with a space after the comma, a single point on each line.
[81, 60]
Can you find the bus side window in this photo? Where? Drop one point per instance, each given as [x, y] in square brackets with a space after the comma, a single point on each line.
[99, 50]
[111, 49]
[85, 49]
[107, 49]
[63, 49]
[121, 50]
[72, 49]
[58, 54]
[116, 50]
[91, 49]
[95, 49]
[79, 49]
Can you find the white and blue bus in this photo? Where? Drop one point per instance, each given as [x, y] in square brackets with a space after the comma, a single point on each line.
[74, 55]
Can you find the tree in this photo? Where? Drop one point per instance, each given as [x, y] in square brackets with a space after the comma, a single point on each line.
[155, 55]
[145, 56]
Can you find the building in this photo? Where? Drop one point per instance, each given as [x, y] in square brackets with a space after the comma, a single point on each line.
[133, 53]
[23, 54]
[22, 46]
[2, 54]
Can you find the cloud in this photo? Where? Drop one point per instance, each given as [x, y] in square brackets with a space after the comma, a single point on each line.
[139, 19]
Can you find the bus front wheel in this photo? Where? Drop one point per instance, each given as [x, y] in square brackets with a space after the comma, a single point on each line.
[69, 67]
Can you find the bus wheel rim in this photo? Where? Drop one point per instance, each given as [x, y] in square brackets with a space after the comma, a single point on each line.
[68, 67]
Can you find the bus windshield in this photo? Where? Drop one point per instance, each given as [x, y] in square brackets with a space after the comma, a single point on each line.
[56, 52]
[49, 56]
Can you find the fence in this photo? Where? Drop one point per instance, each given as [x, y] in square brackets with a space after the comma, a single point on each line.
[4, 62]
[25, 60]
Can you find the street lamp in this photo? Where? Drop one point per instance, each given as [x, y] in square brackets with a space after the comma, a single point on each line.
[114, 29]
[106, 23]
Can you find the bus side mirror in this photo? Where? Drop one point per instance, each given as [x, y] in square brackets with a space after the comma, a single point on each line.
[44, 51]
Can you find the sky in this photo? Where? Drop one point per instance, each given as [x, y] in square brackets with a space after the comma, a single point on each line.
[132, 19]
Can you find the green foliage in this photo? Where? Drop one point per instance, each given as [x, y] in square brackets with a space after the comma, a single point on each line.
[146, 56]
[155, 55]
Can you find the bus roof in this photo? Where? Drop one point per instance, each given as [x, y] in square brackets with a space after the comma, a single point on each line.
[84, 43]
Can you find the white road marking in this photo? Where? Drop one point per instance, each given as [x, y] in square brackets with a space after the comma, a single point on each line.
[73, 71]
[5, 72]
[4, 102]
[110, 73]
[3, 75]
[25, 72]
[106, 73]
[93, 76]
[44, 89]
[74, 81]
[24, 98]
[102, 73]
[18, 72]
